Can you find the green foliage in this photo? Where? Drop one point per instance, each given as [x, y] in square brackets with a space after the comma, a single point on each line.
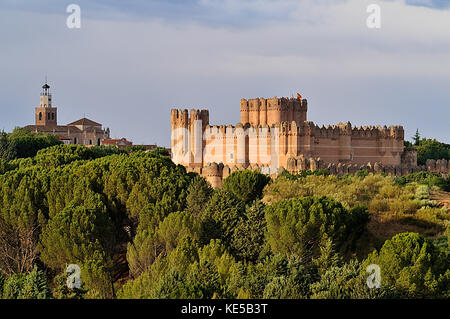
[246, 185]
[23, 143]
[425, 178]
[26, 286]
[181, 239]
[247, 241]
[159, 151]
[431, 149]
[188, 272]
[2, 283]
[416, 138]
[60, 155]
[388, 199]
[61, 291]
[293, 284]
[442, 243]
[221, 216]
[149, 244]
[75, 235]
[83, 236]
[13, 286]
[142, 252]
[198, 194]
[35, 286]
[304, 173]
[300, 225]
[412, 265]
[348, 281]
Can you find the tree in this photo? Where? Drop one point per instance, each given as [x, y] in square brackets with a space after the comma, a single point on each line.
[149, 244]
[416, 138]
[13, 286]
[23, 143]
[2, 283]
[348, 281]
[221, 216]
[294, 284]
[142, 252]
[246, 185]
[35, 286]
[300, 225]
[83, 236]
[432, 149]
[198, 194]
[247, 240]
[21, 218]
[412, 265]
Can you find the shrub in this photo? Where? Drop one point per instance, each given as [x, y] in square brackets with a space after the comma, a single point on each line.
[246, 185]
[299, 225]
[412, 265]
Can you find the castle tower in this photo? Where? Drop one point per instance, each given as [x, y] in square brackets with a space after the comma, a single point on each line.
[187, 136]
[46, 114]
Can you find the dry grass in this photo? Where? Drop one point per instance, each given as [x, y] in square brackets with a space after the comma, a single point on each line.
[441, 197]
[393, 208]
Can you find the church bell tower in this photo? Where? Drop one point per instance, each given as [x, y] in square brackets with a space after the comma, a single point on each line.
[46, 114]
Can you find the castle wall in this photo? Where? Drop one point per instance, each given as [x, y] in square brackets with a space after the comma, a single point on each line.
[262, 111]
[273, 134]
[215, 173]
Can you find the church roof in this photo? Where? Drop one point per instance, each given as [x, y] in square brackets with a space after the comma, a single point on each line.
[54, 129]
[85, 122]
[121, 141]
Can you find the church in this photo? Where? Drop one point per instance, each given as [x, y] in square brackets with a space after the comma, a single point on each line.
[81, 132]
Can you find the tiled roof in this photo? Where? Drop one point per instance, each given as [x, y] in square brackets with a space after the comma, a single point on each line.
[85, 122]
[116, 141]
[54, 129]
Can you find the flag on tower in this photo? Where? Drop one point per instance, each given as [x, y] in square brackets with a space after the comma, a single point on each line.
[299, 96]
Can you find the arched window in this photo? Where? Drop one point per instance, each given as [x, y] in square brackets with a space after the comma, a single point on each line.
[74, 140]
[90, 142]
[53, 116]
[98, 142]
[40, 116]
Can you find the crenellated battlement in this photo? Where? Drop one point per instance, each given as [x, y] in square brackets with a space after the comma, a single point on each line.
[393, 132]
[260, 111]
[179, 116]
[271, 132]
[311, 129]
[184, 118]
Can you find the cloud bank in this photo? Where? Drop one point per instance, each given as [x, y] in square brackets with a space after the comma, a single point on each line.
[130, 63]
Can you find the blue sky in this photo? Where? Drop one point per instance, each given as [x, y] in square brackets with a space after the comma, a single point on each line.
[132, 61]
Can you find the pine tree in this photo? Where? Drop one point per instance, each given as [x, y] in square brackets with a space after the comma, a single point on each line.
[416, 138]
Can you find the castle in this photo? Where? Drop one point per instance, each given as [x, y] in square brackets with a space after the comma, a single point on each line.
[274, 134]
[83, 132]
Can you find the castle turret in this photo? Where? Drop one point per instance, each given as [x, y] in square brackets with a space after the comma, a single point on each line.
[244, 111]
[187, 136]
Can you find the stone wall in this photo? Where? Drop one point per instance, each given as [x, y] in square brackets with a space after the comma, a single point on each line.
[215, 173]
[274, 133]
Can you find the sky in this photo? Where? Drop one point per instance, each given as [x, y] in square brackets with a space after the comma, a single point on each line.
[132, 61]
